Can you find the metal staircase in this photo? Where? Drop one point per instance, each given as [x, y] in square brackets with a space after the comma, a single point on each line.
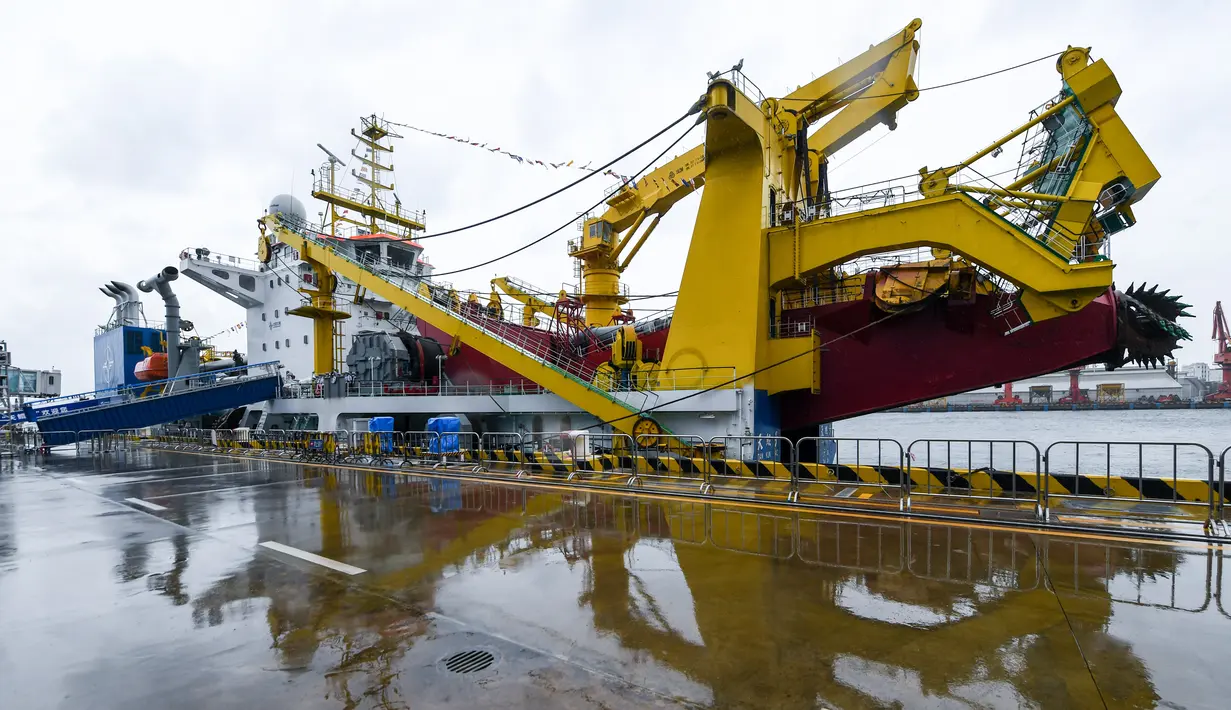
[529, 352]
[68, 419]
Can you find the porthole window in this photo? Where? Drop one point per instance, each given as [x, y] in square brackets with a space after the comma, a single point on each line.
[277, 345]
[264, 347]
[275, 313]
[305, 340]
[288, 342]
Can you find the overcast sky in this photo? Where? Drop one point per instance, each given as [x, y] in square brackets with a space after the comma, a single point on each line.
[132, 130]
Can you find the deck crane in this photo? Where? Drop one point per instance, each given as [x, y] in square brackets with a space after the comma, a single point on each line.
[1222, 356]
[532, 301]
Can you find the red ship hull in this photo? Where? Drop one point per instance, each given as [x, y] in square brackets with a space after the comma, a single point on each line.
[939, 349]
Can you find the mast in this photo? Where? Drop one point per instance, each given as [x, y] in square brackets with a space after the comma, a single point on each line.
[378, 208]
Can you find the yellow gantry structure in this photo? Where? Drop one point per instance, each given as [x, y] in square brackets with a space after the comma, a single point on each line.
[767, 223]
[760, 157]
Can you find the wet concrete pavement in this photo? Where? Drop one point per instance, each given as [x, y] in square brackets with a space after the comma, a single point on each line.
[141, 580]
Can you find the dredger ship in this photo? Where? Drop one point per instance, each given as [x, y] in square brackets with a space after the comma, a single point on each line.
[802, 301]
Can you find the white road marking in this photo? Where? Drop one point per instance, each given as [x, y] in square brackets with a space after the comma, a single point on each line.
[237, 488]
[315, 559]
[145, 504]
[140, 471]
[137, 481]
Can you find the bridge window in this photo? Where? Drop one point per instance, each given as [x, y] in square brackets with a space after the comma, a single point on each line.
[221, 274]
[248, 283]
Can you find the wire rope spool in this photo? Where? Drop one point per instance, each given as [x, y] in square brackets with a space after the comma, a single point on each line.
[647, 433]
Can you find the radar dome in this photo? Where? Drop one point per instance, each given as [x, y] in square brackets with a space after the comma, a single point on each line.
[288, 206]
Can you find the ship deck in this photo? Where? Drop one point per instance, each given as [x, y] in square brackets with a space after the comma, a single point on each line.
[158, 579]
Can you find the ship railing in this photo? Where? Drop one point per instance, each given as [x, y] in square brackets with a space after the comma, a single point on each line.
[400, 388]
[364, 197]
[205, 256]
[867, 471]
[741, 82]
[1005, 472]
[799, 326]
[530, 289]
[142, 323]
[678, 379]
[692, 378]
[1123, 466]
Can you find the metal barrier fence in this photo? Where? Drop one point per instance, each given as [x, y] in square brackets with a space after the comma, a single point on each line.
[1123, 471]
[875, 465]
[972, 470]
[1012, 476]
[105, 441]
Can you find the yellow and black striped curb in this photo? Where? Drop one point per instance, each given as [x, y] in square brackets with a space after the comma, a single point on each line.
[658, 463]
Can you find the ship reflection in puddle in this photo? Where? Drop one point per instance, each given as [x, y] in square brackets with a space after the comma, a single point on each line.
[723, 606]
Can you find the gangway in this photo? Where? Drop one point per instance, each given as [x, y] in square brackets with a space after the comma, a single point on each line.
[572, 379]
[63, 420]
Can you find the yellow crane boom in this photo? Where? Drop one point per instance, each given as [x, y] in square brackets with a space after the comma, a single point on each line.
[532, 304]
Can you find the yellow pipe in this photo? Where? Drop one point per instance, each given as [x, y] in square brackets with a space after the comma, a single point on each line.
[1011, 193]
[1013, 134]
[640, 241]
[628, 235]
[1014, 204]
[1033, 174]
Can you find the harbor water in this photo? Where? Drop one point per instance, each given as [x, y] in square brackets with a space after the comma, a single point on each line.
[1154, 442]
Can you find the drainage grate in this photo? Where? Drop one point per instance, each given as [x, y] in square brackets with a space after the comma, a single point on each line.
[469, 661]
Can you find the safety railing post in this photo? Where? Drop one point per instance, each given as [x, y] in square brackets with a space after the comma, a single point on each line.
[1222, 481]
[1043, 511]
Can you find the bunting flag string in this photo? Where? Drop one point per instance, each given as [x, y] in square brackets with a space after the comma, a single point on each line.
[545, 164]
[231, 329]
